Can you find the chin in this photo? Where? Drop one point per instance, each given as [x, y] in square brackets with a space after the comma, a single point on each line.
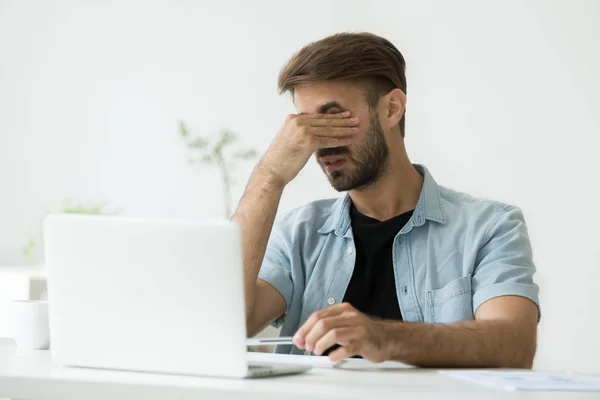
[340, 184]
[338, 180]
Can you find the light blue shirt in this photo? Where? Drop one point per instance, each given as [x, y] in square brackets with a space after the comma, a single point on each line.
[454, 254]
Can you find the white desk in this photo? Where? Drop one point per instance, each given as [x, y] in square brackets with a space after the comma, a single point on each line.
[32, 375]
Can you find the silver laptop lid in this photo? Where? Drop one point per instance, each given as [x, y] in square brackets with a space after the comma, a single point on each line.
[150, 295]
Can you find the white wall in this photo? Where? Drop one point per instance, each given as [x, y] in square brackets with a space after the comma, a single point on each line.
[503, 100]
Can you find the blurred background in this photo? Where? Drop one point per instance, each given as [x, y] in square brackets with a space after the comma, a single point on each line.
[104, 104]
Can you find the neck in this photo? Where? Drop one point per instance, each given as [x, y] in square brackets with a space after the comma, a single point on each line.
[395, 192]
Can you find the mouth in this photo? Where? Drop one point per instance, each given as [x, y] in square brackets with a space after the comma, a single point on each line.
[331, 163]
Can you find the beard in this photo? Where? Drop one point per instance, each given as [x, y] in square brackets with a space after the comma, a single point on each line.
[367, 163]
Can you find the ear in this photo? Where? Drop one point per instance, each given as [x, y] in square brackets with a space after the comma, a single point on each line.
[396, 106]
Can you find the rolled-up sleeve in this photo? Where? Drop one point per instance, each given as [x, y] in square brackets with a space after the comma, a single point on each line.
[276, 270]
[504, 265]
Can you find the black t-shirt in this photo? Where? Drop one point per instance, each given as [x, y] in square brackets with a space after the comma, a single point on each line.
[372, 288]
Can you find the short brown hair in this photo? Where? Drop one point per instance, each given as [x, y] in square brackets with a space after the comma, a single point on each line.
[365, 58]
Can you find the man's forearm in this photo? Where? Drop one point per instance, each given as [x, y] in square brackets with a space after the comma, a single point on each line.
[466, 344]
[255, 215]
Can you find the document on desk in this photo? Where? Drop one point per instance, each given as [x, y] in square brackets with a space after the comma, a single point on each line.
[323, 362]
[528, 380]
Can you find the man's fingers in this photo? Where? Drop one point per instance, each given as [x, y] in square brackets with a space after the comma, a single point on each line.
[300, 335]
[343, 114]
[353, 121]
[334, 336]
[322, 327]
[341, 354]
[327, 131]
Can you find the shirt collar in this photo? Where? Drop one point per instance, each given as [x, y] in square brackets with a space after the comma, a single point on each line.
[429, 207]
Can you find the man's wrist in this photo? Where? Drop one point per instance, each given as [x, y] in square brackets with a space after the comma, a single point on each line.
[394, 339]
[269, 177]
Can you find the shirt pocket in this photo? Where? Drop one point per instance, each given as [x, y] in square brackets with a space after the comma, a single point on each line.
[452, 303]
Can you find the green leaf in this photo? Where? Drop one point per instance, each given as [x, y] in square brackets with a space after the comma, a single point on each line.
[207, 158]
[246, 154]
[198, 143]
[227, 137]
[94, 208]
[183, 131]
[28, 250]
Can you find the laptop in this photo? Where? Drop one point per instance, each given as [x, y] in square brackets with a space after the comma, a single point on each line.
[150, 295]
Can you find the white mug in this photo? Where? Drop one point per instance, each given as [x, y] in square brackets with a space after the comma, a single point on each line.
[30, 324]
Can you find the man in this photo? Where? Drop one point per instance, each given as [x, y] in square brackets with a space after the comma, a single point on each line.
[398, 269]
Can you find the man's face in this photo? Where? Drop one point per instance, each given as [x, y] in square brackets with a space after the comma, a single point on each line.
[360, 164]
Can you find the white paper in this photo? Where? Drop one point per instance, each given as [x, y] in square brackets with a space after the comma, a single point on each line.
[528, 380]
[322, 362]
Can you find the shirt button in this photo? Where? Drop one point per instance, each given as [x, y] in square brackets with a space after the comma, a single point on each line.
[331, 301]
[350, 250]
[306, 353]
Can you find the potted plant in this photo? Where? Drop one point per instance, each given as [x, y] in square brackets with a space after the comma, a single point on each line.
[221, 151]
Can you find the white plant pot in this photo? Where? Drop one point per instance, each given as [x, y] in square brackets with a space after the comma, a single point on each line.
[19, 283]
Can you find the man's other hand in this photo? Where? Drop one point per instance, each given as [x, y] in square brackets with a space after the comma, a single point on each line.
[355, 332]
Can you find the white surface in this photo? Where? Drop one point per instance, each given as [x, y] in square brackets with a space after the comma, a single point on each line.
[119, 287]
[28, 271]
[525, 380]
[502, 102]
[30, 328]
[32, 375]
[324, 362]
